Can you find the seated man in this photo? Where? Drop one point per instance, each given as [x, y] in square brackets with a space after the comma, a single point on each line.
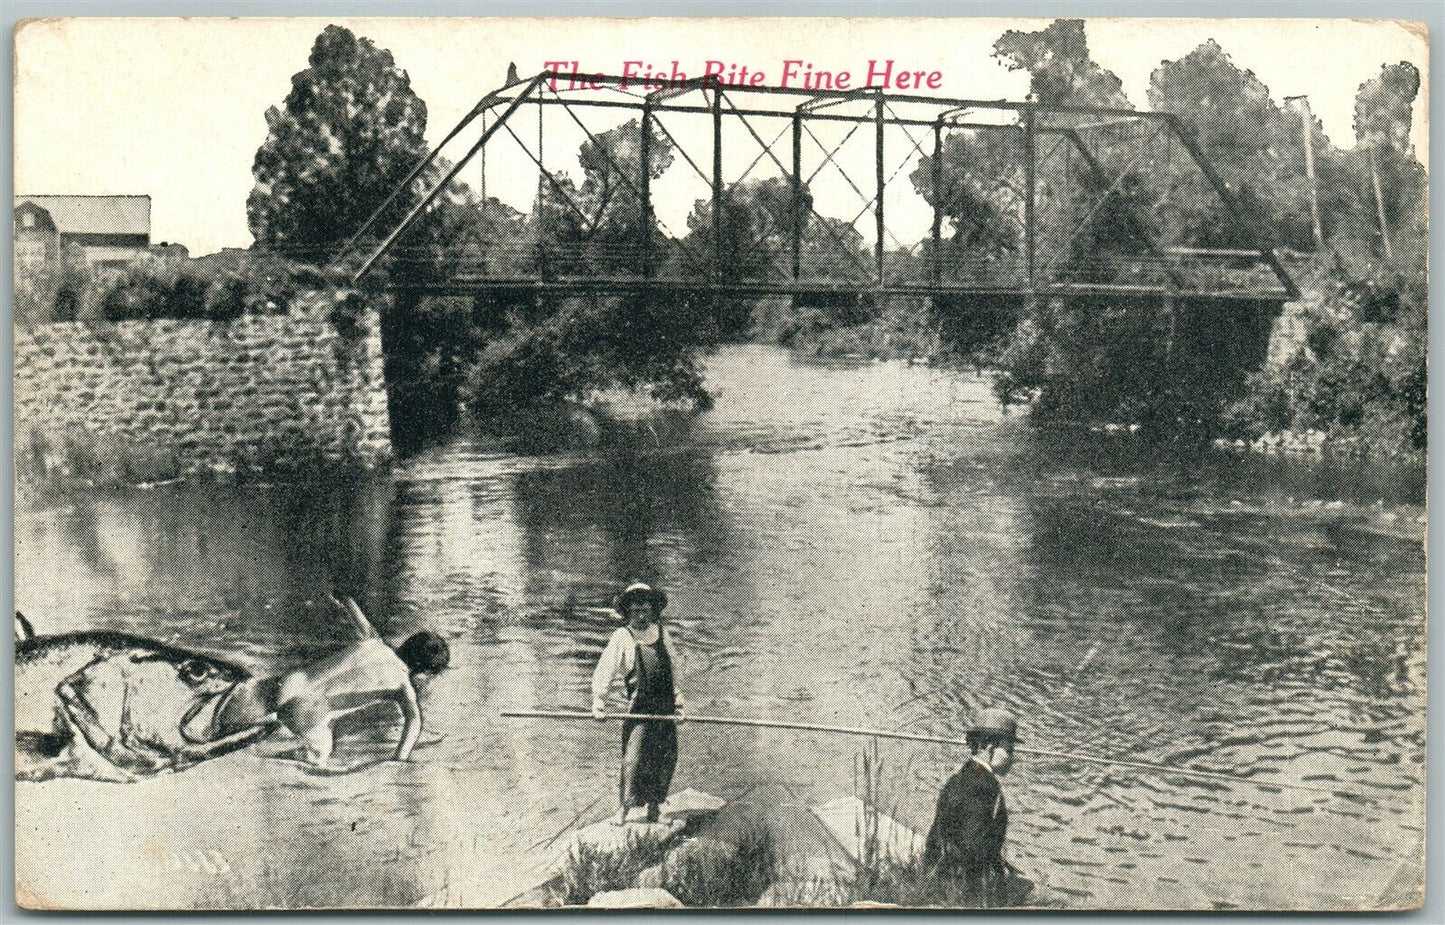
[308, 701]
[965, 843]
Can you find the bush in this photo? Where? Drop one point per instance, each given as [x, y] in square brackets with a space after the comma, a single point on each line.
[219, 287]
[81, 455]
[590, 870]
[1367, 383]
[1358, 373]
[582, 345]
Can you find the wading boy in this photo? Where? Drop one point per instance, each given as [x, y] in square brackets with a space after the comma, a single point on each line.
[310, 700]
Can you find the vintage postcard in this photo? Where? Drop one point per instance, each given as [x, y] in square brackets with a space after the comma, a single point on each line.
[486, 463]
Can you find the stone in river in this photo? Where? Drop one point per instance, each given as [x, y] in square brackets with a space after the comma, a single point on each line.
[703, 857]
[606, 838]
[689, 803]
[634, 899]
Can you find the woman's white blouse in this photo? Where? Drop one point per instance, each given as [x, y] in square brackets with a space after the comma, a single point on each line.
[617, 662]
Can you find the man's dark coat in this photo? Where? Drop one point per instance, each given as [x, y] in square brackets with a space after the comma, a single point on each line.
[969, 826]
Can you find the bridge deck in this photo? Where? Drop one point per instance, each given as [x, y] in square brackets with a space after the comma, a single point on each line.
[743, 289]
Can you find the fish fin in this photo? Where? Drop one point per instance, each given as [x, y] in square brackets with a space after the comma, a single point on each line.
[363, 625]
[23, 628]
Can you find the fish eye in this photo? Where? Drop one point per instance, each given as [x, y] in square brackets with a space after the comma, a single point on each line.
[193, 671]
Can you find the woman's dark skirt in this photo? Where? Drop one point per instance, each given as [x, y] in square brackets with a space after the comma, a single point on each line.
[649, 756]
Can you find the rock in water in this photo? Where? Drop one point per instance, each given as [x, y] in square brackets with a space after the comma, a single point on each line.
[606, 837]
[847, 818]
[653, 877]
[694, 860]
[802, 893]
[634, 899]
[690, 803]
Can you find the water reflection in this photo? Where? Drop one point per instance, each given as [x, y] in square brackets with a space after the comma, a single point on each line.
[627, 516]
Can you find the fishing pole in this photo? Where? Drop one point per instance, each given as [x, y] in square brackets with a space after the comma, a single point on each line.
[915, 737]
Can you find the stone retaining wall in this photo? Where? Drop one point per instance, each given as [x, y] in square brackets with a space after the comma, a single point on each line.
[140, 400]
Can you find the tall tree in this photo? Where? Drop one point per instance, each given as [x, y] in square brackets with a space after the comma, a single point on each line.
[346, 136]
[1361, 367]
[562, 348]
[1254, 144]
[756, 225]
[598, 225]
[1383, 114]
[979, 193]
[1060, 69]
[1384, 107]
[1109, 357]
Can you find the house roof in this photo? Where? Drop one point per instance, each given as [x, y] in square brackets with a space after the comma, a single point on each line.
[96, 214]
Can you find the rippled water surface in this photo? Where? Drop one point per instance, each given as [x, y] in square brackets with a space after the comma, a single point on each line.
[870, 545]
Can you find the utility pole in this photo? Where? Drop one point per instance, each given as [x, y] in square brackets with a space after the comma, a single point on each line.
[1307, 125]
[1380, 204]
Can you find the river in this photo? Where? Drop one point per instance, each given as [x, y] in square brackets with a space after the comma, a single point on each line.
[856, 544]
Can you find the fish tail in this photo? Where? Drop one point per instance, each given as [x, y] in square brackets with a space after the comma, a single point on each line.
[23, 629]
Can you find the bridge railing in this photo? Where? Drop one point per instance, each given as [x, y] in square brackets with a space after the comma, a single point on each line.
[518, 264]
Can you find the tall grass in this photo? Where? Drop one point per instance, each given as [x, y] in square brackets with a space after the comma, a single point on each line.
[703, 873]
[879, 876]
[737, 874]
[77, 454]
[590, 870]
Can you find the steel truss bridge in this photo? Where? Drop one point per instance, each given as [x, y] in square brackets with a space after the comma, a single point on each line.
[1026, 200]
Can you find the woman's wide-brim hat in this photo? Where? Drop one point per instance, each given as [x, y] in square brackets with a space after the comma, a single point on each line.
[639, 591]
[996, 722]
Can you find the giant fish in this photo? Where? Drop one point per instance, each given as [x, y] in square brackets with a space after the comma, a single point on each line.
[111, 706]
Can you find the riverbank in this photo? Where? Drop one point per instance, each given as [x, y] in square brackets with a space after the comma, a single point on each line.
[903, 330]
[1339, 371]
[1319, 444]
[746, 854]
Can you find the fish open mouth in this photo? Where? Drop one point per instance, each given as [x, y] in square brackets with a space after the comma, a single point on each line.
[198, 726]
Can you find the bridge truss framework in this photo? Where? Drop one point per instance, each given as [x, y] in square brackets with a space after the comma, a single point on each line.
[1051, 171]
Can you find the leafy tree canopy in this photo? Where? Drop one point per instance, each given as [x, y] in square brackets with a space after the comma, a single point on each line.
[1253, 142]
[347, 135]
[1383, 107]
[1060, 69]
[598, 224]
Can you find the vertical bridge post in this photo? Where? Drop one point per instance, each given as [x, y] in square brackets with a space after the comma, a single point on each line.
[717, 181]
[797, 195]
[644, 207]
[1029, 183]
[541, 200]
[936, 270]
[878, 210]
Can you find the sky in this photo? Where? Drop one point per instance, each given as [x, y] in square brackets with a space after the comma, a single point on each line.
[175, 108]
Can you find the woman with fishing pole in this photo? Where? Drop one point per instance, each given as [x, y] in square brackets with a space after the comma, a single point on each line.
[640, 654]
